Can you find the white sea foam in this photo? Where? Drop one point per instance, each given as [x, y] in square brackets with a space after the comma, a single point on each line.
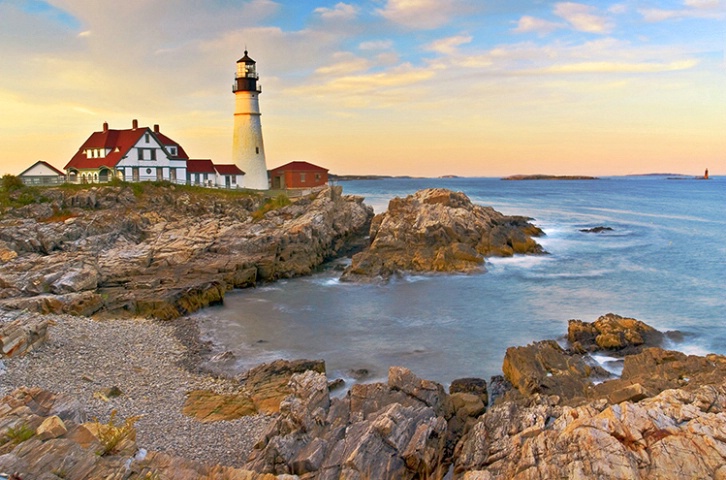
[611, 364]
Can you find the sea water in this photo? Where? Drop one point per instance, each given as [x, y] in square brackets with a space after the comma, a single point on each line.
[663, 262]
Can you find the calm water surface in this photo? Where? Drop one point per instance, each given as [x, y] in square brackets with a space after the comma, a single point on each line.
[663, 263]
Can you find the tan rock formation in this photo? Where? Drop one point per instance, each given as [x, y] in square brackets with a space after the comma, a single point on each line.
[165, 253]
[437, 230]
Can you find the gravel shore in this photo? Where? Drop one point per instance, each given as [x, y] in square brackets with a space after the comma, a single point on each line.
[155, 365]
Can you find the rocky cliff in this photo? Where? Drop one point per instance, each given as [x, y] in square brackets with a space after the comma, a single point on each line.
[437, 230]
[164, 252]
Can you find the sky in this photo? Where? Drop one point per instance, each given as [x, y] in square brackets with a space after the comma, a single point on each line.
[389, 87]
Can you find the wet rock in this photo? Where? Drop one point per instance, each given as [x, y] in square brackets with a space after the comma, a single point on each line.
[437, 230]
[598, 229]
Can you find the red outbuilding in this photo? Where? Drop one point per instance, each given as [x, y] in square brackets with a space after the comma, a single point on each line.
[298, 175]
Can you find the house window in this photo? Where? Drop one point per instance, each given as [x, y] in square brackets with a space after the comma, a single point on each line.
[317, 177]
[146, 137]
[302, 178]
[172, 150]
[159, 174]
[234, 179]
[153, 153]
[135, 174]
[172, 174]
[140, 153]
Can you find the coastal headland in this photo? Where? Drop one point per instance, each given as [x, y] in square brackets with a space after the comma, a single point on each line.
[98, 383]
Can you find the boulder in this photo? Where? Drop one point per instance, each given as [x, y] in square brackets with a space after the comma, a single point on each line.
[208, 406]
[437, 230]
[268, 384]
[613, 333]
[546, 368]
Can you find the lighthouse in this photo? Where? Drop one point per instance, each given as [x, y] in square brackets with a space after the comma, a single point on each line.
[248, 150]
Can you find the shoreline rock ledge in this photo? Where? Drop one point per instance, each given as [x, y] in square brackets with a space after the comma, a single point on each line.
[438, 230]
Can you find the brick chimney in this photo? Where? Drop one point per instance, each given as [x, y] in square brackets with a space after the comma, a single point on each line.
[134, 124]
[156, 128]
[105, 127]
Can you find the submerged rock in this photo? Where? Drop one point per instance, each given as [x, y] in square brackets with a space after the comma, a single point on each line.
[437, 230]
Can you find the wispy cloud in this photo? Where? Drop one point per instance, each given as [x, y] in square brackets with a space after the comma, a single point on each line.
[528, 24]
[448, 45]
[584, 18]
[341, 11]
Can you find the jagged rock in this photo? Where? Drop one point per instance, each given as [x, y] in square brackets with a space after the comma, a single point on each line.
[381, 431]
[22, 335]
[437, 230]
[52, 427]
[545, 368]
[654, 370]
[476, 386]
[612, 332]
[676, 435]
[171, 254]
[267, 384]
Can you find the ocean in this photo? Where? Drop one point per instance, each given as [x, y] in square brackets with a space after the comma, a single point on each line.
[663, 262]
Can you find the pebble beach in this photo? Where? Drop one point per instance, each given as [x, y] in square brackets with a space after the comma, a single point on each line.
[154, 365]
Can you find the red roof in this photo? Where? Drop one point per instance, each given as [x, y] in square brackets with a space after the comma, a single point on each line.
[119, 142]
[299, 167]
[228, 169]
[200, 166]
[168, 142]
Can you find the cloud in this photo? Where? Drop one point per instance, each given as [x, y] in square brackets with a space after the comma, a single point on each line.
[341, 11]
[709, 9]
[528, 24]
[620, 67]
[448, 45]
[423, 14]
[582, 17]
[346, 64]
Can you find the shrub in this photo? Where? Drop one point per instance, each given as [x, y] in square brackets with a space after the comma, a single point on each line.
[17, 435]
[270, 204]
[10, 183]
[112, 434]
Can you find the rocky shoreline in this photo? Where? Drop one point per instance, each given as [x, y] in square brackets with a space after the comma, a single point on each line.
[153, 365]
[69, 382]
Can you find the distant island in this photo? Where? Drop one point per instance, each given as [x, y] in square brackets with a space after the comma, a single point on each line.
[549, 177]
[343, 178]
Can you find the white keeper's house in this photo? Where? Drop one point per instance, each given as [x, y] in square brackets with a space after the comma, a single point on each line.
[135, 155]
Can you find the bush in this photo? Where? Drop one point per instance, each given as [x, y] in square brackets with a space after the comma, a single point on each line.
[11, 183]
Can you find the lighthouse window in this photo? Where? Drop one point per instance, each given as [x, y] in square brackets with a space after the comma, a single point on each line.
[257, 150]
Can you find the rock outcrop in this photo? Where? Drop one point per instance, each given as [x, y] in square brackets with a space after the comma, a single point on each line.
[437, 230]
[675, 435]
[165, 253]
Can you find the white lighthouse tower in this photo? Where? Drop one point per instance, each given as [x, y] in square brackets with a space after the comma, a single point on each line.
[248, 150]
